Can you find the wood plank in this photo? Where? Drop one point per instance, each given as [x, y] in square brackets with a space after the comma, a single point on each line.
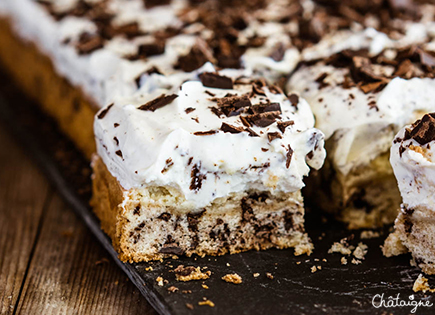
[23, 193]
[65, 278]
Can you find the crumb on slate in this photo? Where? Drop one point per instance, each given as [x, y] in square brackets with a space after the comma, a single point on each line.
[360, 251]
[422, 284]
[256, 275]
[190, 273]
[232, 278]
[172, 289]
[205, 286]
[269, 275]
[343, 261]
[189, 306]
[341, 247]
[160, 281]
[206, 302]
[356, 261]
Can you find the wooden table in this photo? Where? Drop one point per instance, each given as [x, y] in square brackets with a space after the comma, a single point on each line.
[49, 262]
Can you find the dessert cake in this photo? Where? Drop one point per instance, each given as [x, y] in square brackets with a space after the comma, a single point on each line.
[412, 159]
[106, 58]
[212, 167]
[361, 97]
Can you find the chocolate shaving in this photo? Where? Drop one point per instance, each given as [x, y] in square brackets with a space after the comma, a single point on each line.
[205, 133]
[251, 132]
[231, 129]
[373, 87]
[273, 135]
[154, 3]
[284, 124]
[289, 156]
[214, 80]
[159, 102]
[104, 112]
[189, 110]
[119, 153]
[197, 178]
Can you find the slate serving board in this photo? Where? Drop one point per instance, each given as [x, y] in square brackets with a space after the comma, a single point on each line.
[294, 289]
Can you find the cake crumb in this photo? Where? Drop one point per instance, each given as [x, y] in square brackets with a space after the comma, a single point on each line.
[190, 273]
[360, 251]
[206, 302]
[269, 276]
[189, 306]
[228, 265]
[324, 260]
[149, 268]
[186, 291]
[343, 261]
[232, 278]
[341, 247]
[298, 263]
[393, 246]
[205, 286]
[356, 261]
[256, 275]
[313, 269]
[422, 284]
[159, 281]
[369, 234]
[172, 289]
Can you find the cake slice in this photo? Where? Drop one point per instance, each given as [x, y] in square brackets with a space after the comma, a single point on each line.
[213, 167]
[360, 102]
[413, 162]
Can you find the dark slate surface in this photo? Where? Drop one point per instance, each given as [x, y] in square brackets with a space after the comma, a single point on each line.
[335, 289]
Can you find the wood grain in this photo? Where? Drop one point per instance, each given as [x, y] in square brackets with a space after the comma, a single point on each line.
[71, 274]
[23, 193]
[49, 262]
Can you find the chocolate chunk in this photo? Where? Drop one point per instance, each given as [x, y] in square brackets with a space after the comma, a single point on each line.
[196, 178]
[284, 124]
[119, 153]
[171, 249]
[214, 80]
[136, 210]
[184, 271]
[89, 43]
[231, 129]
[273, 107]
[104, 112]
[289, 156]
[294, 100]
[116, 140]
[205, 133]
[263, 119]
[278, 52]
[165, 216]
[233, 105]
[152, 49]
[373, 87]
[424, 130]
[199, 54]
[321, 80]
[193, 220]
[273, 135]
[159, 102]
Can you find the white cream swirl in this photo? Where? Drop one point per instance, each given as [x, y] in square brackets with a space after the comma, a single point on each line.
[160, 148]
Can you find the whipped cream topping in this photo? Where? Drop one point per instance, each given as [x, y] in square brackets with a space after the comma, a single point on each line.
[209, 142]
[413, 160]
[361, 125]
